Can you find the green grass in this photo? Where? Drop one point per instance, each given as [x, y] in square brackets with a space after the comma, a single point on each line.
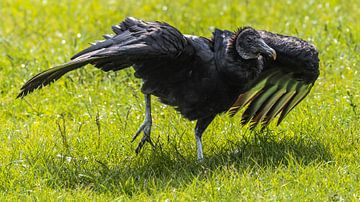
[52, 147]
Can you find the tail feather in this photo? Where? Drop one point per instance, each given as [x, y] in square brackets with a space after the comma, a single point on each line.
[48, 76]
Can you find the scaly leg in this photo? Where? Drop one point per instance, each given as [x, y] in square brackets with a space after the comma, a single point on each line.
[145, 126]
[200, 127]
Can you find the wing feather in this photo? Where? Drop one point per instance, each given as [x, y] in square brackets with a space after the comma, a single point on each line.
[135, 42]
[301, 92]
[247, 97]
[258, 102]
[283, 84]
[280, 103]
[276, 93]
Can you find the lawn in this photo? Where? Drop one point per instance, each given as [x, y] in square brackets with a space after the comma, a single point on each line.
[71, 140]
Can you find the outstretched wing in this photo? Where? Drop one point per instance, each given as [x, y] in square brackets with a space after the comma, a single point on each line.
[134, 42]
[284, 82]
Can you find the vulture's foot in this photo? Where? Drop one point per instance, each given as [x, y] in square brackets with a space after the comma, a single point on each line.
[146, 128]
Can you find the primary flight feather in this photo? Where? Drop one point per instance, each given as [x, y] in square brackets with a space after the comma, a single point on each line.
[266, 73]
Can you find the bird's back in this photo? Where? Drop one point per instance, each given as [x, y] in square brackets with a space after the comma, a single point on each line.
[194, 87]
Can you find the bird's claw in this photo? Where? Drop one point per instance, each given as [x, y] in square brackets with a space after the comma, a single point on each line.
[146, 128]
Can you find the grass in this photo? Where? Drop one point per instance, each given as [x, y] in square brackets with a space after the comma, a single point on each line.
[71, 140]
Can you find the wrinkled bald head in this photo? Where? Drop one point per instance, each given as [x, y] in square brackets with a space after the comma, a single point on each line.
[250, 45]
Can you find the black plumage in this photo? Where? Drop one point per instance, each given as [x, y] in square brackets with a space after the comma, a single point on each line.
[267, 73]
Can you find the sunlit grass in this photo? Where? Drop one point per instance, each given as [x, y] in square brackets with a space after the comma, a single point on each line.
[52, 147]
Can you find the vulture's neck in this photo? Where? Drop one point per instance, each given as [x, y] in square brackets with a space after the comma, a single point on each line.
[237, 71]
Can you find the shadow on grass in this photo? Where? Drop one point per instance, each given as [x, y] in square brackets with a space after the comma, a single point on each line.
[166, 168]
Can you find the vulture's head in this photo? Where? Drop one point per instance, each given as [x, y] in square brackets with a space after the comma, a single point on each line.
[250, 45]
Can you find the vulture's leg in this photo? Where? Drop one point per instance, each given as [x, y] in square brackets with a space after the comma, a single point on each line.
[200, 127]
[145, 126]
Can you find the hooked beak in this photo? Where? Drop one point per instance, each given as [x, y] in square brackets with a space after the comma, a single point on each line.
[266, 49]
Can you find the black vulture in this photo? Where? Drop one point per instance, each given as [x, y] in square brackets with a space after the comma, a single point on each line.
[266, 73]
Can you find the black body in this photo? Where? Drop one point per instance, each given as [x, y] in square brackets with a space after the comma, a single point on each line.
[203, 77]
